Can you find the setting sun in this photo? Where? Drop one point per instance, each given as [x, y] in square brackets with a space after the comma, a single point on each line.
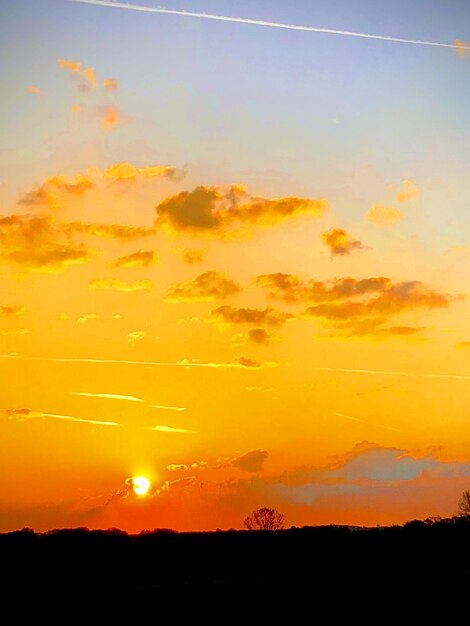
[140, 485]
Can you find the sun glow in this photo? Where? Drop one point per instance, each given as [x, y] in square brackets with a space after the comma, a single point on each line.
[140, 485]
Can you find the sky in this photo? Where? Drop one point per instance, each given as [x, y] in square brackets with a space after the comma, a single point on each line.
[234, 261]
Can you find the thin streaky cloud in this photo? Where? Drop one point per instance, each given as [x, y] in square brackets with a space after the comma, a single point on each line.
[253, 22]
[68, 418]
[110, 396]
[357, 419]
[167, 408]
[183, 363]
[392, 373]
[170, 429]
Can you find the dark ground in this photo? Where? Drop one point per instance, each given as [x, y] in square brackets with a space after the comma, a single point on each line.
[334, 566]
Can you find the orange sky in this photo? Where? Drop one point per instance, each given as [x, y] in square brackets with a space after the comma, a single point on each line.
[240, 336]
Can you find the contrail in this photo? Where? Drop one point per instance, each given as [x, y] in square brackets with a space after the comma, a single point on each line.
[357, 419]
[392, 373]
[246, 20]
[182, 363]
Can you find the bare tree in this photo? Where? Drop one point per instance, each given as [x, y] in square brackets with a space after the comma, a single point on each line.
[464, 504]
[264, 519]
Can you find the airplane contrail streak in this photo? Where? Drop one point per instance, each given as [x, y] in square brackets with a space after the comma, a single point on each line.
[253, 22]
[393, 373]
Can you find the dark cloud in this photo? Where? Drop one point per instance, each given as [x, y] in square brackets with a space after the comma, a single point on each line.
[340, 243]
[251, 461]
[262, 317]
[11, 311]
[142, 258]
[211, 285]
[259, 335]
[291, 289]
[38, 244]
[192, 256]
[360, 306]
[55, 192]
[214, 211]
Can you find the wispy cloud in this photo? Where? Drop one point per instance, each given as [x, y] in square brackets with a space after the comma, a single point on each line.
[241, 362]
[393, 373]
[362, 421]
[384, 216]
[167, 408]
[458, 45]
[25, 414]
[141, 258]
[116, 284]
[169, 429]
[109, 396]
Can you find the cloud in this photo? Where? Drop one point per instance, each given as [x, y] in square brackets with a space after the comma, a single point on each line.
[55, 192]
[261, 317]
[408, 191]
[108, 115]
[169, 429]
[35, 90]
[214, 211]
[89, 75]
[85, 77]
[25, 414]
[389, 296]
[259, 335]
[22, 413]
[142, 258]
[71, 66]
[107, 396]
[398, 297]
[366, 465]
[385, 216]
[86, 317]
[266, 24]
[38, 244]
[163, 407]
[136, 335]
[110, 84]
[192, 256]
[116, 284]
[128, 172]
[339, 242]
[11, 311]
[240, 362]
[14, 331]
[245, 362]
[109, 231]
[358, 306]
[462, 48]
[177, 467]
[211, 285]
[251, 461]
[373, 327]
[363, 421]
[463, 344]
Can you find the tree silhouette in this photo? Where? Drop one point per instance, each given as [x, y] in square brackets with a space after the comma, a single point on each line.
[464, 504]
[264, 519]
